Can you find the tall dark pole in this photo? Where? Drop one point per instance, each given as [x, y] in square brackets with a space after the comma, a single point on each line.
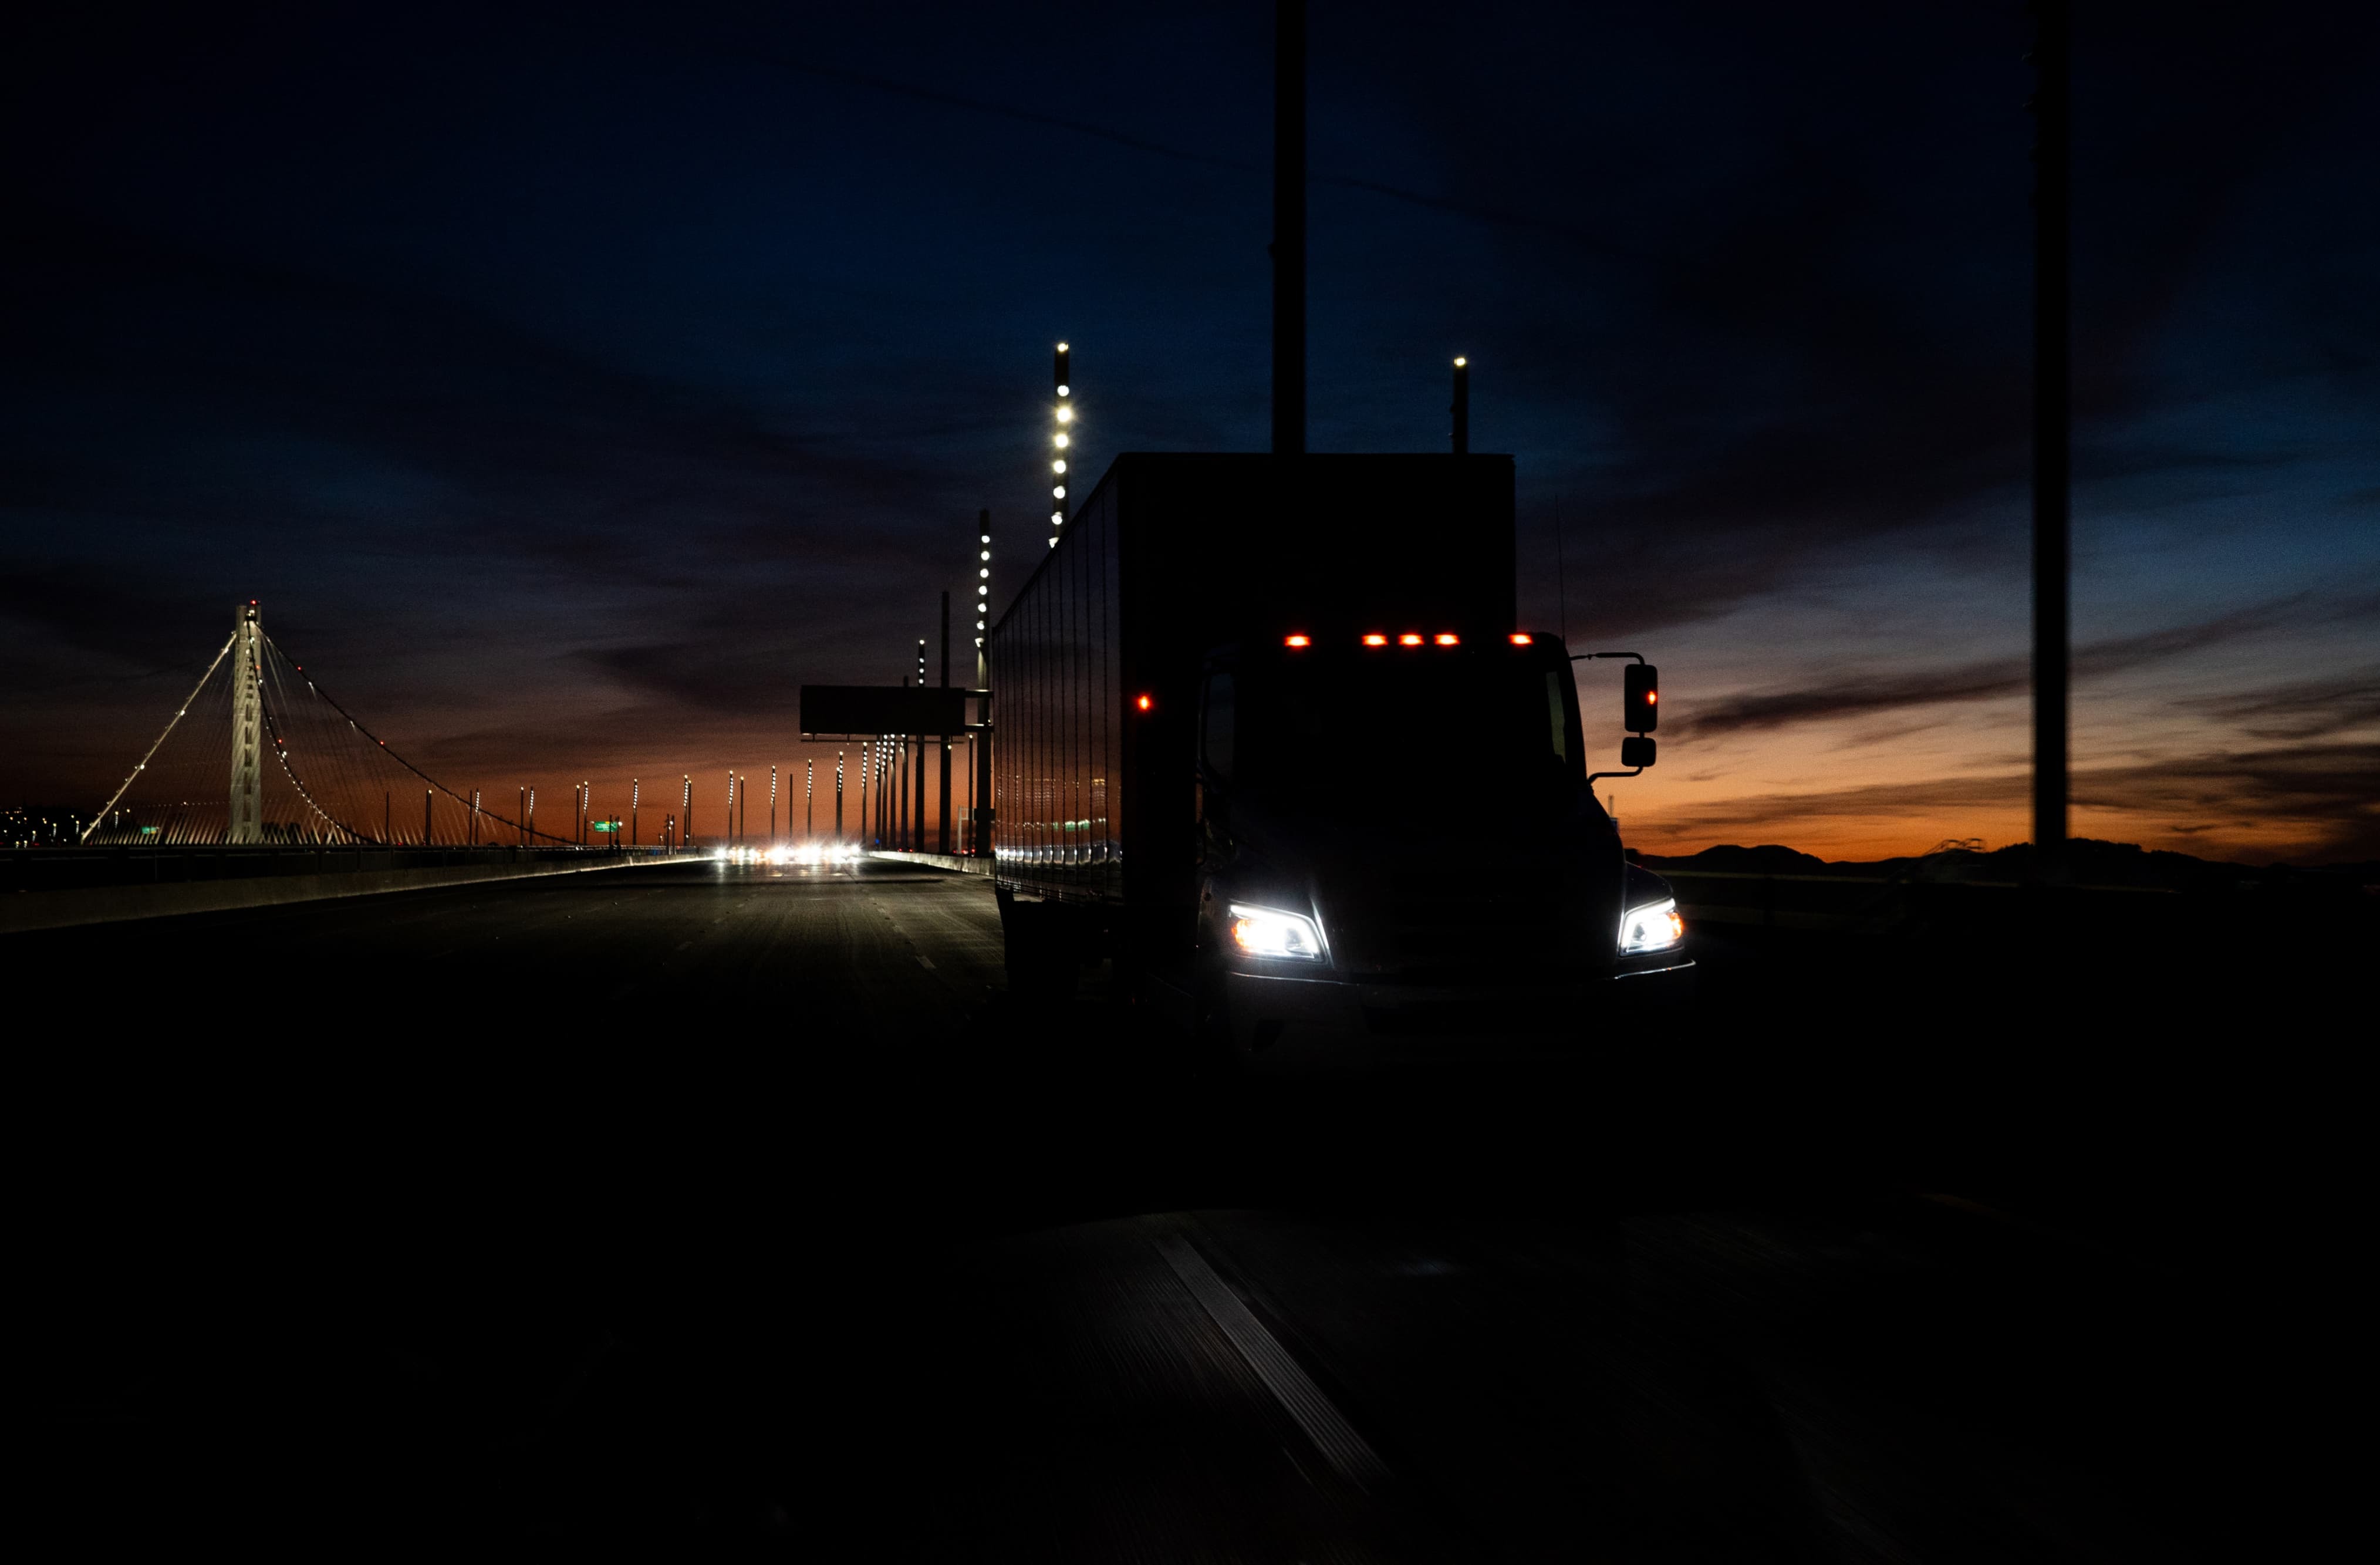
[1289, 227]
[942, 811]
[1461, 408]
[2052, 414]
[427, 795]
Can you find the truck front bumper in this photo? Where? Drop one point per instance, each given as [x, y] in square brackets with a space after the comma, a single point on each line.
[1281, 1021]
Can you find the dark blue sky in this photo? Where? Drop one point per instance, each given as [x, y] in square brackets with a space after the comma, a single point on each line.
[571, 384]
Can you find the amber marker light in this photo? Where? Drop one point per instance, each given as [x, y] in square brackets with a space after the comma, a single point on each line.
[1375, 640]
[1447, 638]
[1410, 639]
[1297, 641]
[1522, 638]
[1144, 703]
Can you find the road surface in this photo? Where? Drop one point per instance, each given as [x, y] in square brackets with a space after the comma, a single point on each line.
[696, 1207]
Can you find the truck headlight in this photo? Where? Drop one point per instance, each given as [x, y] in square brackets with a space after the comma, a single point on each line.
[1266, 931]
[1653, 927]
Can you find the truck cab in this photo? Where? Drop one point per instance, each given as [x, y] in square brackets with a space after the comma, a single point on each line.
[1398, 846]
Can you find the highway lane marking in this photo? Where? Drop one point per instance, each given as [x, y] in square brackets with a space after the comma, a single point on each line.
[1302, 1400]
[924, 961]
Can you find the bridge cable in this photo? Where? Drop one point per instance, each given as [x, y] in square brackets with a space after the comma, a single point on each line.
[186, 702]
[400, 760]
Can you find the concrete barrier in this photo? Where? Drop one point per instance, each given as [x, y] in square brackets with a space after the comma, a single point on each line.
[937, 861]
[110, 904]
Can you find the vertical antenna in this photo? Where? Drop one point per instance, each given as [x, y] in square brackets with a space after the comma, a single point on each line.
[1289, 228]
[1561, 574]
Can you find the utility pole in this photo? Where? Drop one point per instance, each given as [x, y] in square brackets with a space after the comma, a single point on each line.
[520, 820]
[2052, 415]
[1289, 228]
[917, 772]
[942, 801]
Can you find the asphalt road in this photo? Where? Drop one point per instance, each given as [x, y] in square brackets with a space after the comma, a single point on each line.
[738, 1211]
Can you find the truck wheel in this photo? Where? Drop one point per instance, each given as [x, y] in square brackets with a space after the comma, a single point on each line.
[1217, 1052]
[1041, 959]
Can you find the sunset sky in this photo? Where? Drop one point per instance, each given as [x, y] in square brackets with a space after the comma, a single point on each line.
[572, 383]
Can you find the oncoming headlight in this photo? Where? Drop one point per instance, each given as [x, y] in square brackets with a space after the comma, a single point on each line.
[1653, 927]
[1265, 931]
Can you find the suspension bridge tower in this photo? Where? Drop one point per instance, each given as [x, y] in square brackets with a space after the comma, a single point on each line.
[247, 822]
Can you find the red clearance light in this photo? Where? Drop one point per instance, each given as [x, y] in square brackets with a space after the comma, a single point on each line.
[1144, 703]
[1410, 639]
[1447, 638]
[1375, 640]
[1297, 641]
[1651, 697]
[1522, 638]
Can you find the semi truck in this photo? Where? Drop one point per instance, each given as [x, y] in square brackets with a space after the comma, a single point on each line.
[1268, 734]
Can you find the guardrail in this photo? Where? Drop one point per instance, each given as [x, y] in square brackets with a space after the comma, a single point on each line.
[61, 888]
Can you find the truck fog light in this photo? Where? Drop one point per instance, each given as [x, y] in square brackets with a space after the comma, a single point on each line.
[1653, 927]
[1264, 931]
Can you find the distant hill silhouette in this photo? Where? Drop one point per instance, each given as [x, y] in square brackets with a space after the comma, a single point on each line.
[2096, 863]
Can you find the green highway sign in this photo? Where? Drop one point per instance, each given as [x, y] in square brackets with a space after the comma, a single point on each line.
[605, 825]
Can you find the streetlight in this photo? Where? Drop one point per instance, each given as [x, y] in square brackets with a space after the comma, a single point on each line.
[1061, 439]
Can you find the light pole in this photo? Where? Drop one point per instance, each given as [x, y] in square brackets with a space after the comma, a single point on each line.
[2052, 388]
[635, 793]
[1062, 439]
[838, 798]
[809, 800]
[772, 803]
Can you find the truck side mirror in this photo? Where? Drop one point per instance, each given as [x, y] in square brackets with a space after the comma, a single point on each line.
[1636, 751]
[1641, 696]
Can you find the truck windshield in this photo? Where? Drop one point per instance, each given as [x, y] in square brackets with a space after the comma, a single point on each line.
[1442, 727]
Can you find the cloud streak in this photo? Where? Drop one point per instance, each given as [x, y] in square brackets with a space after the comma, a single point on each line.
[1999, 678]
